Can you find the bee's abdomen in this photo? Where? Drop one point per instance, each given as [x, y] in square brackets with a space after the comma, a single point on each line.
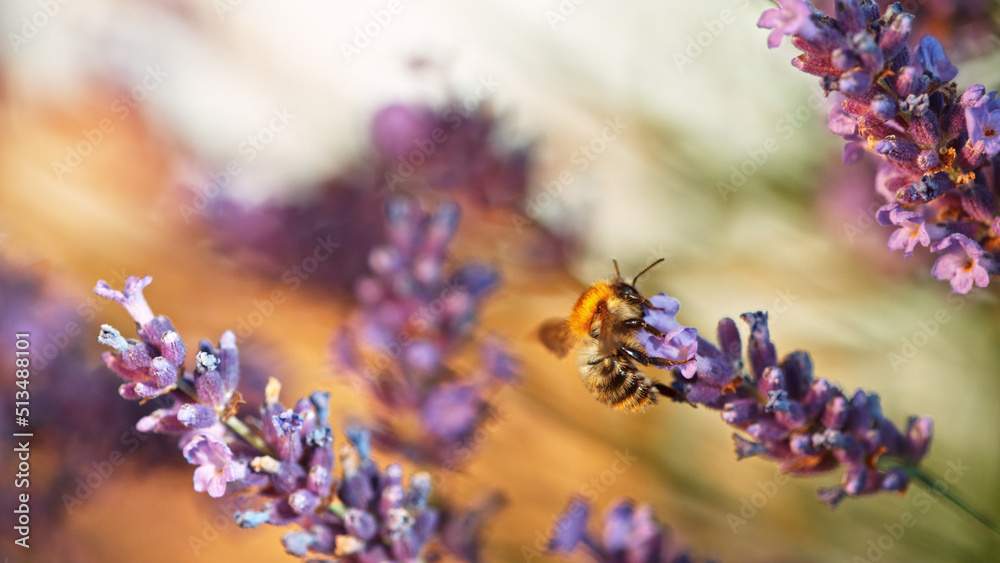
[616, 381]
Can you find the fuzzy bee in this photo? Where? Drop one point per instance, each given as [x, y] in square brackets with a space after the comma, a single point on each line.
[603, 324]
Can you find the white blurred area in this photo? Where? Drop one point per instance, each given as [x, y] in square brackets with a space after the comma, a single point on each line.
[556, 69]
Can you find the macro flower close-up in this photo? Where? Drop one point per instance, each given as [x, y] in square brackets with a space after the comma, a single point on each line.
[410, 282]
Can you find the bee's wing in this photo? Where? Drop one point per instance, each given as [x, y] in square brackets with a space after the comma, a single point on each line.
[554, 334]
[606, 336]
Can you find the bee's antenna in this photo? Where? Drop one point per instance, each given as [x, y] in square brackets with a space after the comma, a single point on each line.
[617, 271]
[648, 268]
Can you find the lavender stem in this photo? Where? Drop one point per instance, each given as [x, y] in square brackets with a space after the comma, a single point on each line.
[233, 422]
[928, 479]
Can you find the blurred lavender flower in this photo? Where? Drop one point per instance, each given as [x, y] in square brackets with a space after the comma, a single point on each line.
[807, 425]
[322, 242]
[67, 386]
[413, 318]
[456, 151]
[415, 149]
[630, 533]
[939, 148]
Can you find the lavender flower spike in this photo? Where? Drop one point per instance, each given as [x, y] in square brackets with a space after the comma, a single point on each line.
[286, 458]
[805, 424]
[939, 146]
[289, 461]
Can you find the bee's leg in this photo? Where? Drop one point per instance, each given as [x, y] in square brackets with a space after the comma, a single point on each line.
[647, 304]
[646, 360]
[643, 359]
[639, 323]
[674, 394]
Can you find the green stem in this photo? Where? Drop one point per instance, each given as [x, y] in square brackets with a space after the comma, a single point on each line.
[747, 384]
[233, 422]
[338, 509]
[928, 480]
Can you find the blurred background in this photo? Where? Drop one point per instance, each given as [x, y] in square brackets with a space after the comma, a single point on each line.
[209, 144]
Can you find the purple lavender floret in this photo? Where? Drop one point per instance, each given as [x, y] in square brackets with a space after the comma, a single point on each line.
[783, 412]
[938, 146]
[630, 533]
[415, 313]
[964, 263]
[150, 365]
[154, 367]
[215, 463]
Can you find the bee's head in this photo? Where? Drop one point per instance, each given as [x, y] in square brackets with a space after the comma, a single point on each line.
[628, 290]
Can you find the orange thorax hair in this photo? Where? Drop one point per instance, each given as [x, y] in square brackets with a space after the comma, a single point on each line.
[581, 318]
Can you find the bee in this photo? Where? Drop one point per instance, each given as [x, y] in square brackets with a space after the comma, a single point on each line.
[604, 323]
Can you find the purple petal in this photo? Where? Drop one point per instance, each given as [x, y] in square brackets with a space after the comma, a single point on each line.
[759, 348]
[919, 432]
[214, 459]
[131, 299]
[747, 448]
[932, 59]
